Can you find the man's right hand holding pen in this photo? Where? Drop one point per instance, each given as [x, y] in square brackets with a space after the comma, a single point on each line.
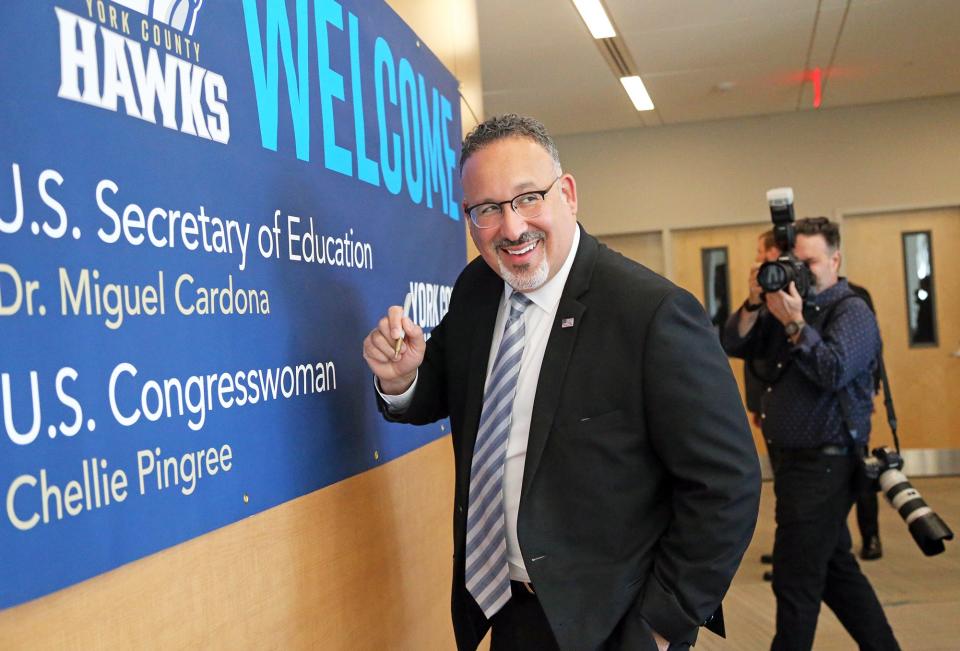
[395, 371]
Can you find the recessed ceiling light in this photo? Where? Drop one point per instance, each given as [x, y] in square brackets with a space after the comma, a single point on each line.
[595, 17]
[637, 92]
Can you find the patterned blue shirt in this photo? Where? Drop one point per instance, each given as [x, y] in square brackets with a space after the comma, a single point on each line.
[804, 383]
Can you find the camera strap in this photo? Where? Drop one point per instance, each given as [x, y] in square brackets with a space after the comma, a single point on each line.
[888, 402]
[843, 398]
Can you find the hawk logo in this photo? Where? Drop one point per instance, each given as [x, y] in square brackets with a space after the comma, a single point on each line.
[179, 14]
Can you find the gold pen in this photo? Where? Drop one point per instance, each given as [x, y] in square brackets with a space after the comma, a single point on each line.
[406, 313]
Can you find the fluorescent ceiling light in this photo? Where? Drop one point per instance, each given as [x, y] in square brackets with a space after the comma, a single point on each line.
[637, 92]
[595, 17]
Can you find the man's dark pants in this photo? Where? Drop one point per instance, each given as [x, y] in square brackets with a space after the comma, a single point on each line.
[811, 552]
[521, 624]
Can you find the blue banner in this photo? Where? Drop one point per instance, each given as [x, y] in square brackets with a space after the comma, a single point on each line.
[204, 207]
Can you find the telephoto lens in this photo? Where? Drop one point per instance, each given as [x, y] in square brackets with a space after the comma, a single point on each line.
[926, 527]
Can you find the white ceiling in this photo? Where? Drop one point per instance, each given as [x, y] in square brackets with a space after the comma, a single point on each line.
[714, 59]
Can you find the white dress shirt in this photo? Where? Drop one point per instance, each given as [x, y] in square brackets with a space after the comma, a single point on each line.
[537, 321]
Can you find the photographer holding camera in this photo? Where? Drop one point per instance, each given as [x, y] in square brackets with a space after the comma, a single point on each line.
[815, 347]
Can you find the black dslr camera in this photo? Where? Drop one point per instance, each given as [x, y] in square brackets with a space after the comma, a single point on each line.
[777, 275]
[882, 469]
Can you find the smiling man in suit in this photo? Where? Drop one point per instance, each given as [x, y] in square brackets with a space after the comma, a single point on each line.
[606, 480]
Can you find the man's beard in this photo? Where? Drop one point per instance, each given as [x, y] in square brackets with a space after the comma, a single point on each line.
[526, 278]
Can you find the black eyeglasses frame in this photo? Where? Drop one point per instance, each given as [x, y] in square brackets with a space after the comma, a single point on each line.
[543, 196]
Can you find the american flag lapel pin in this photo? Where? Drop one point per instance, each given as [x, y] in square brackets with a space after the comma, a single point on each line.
[567, 323]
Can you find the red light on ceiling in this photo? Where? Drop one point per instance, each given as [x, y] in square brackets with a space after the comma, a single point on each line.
[815, 77]
[817, 87]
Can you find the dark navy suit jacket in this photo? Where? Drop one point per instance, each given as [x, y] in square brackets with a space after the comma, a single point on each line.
[641, 481]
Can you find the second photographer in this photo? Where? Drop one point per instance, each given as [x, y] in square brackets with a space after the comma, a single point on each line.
[814, 349]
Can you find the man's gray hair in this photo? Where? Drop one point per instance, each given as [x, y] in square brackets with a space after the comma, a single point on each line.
[510, 125]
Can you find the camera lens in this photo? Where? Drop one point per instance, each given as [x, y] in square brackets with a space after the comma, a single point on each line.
[926, 527]
[773, 276]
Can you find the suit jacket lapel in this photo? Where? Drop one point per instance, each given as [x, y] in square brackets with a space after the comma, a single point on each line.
[557, 355]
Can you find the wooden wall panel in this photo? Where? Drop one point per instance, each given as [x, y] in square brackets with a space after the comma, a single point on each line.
[645, 248]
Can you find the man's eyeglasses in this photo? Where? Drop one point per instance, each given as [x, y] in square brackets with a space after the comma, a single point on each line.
[528, 205]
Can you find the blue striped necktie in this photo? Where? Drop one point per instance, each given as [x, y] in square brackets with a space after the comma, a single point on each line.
[487, 574]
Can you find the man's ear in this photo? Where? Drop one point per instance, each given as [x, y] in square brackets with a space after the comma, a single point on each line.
[568, 190]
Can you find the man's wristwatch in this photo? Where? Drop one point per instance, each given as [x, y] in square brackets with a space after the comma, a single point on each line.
[793, 328]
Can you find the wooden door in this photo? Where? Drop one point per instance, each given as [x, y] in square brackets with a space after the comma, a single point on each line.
[925, 378]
